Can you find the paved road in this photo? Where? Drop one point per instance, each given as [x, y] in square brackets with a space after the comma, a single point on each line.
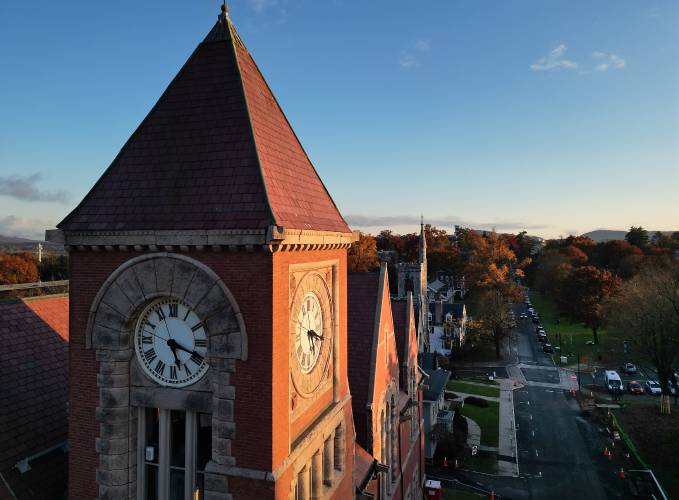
[560, 452]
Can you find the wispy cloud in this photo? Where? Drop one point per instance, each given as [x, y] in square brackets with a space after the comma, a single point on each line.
[554, 61]
[408, 61]
[408, 58]
[262, 5]
[26, 189]
[607, 61]
[362, 221]
[422, 45]
[11, 225]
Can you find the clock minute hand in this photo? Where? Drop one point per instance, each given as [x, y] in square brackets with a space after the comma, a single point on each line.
[179, 346]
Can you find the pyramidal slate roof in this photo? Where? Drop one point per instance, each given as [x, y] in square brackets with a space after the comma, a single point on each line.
[216, 152]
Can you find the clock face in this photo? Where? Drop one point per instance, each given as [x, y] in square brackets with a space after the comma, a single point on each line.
[311, 339]
[171, 343]
[309, 333]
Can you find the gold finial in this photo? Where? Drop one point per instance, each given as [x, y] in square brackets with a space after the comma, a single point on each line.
[225, 9]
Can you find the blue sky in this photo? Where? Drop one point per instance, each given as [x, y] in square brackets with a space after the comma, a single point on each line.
[552, 116]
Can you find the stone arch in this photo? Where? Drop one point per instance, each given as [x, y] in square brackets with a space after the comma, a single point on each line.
[143, 278]
[110, 331]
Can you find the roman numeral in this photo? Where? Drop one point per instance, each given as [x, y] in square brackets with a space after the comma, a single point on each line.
[150, 355]
[173, 372]
[174, 310]
[200, 342]
[160, 313]
[160, 367]
[188, 311]
[153, 327]
[146, 339]
[197, 326]
[197, 358]
[188, 372]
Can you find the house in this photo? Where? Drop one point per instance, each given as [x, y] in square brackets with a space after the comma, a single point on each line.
[384, 386]
[33, 397]
[449, 326]
[435, 407]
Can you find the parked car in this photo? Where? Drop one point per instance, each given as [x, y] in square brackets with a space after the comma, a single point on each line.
[539, 329]
[536, 320]
[612, 380]
[542, 338]
[634, 387]
[548, 349]
[629, 368]
[523, 316]
[653, 387]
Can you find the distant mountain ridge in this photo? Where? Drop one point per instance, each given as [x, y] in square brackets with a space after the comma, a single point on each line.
[614, 234]
[15, 244]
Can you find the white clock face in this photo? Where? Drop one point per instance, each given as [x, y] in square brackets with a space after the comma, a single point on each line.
[171, 343]
[309, 332]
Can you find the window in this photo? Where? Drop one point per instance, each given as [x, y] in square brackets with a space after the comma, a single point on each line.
[174, 448]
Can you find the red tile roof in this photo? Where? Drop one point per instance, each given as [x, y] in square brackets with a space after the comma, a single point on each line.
[34, 379]
[362, 296]
[215, 152]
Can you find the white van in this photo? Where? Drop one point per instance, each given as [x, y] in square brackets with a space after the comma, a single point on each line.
[612, 380]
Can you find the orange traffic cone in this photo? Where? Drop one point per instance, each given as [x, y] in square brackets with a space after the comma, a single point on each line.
[606, 452]
[492, 495]
[612, 444]
[445, 462]
[621, 473]
[456, 465]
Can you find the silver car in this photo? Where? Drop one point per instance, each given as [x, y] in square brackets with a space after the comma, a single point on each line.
[653, 387]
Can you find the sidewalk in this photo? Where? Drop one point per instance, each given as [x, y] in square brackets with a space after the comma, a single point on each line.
[507, 447]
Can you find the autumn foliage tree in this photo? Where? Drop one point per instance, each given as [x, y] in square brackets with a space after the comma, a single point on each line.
[646, 314]
[18, 268]
[584, 294]
[362, 256]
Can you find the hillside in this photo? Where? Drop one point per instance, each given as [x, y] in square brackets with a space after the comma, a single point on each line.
[10, 244]
[613, 234]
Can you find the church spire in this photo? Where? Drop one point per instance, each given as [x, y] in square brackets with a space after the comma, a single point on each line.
[423, 243]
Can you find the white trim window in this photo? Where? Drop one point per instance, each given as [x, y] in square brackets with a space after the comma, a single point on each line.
[174, 446]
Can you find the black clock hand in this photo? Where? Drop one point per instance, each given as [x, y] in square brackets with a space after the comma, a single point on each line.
[179, 346]
[173, 348]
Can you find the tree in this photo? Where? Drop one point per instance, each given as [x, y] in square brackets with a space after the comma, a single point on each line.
[492, 311]
[646, 314]
[363, 255]
[584, 294]
[18, 268]
[637, 236]
[54, 267]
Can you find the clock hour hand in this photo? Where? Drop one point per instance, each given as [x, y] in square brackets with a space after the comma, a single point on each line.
[171, 343]
[176, 344]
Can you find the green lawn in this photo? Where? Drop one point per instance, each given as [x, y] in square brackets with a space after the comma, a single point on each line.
[573, 337]
[488, 419]
[489, 390]
[483, 379]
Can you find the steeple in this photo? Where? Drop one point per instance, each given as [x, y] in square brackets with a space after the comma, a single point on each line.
[216, 153]
[423, 243]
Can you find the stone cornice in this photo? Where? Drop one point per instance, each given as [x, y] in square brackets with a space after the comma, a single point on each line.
[273, 239]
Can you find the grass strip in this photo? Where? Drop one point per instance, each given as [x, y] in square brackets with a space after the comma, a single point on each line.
[478, 390]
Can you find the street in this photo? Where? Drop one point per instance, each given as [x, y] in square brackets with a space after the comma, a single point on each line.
[560, 451]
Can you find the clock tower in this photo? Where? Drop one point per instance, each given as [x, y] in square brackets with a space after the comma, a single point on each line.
[208, 333]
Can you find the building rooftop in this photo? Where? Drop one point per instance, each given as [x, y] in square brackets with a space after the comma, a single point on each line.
[216, 152]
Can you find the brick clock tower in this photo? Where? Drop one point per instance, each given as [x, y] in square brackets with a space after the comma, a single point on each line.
[208, 303]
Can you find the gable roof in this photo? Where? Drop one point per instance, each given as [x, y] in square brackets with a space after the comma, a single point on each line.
[34, 385]
[435, 384]
[362, 297]
[216, 152]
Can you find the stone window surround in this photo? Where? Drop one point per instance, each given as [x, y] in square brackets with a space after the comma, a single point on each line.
[163, 462]
[110, 332]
